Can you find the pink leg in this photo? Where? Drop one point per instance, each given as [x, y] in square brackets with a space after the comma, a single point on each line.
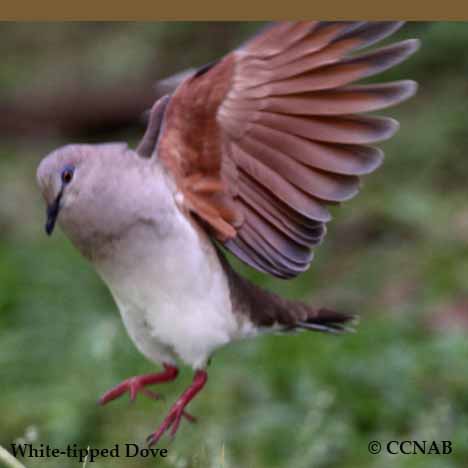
[172, 420]
[137, 384]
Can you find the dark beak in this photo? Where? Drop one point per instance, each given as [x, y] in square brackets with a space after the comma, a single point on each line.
[52, 214]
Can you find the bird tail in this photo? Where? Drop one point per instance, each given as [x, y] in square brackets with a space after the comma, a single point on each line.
[266, 309]
[295, 315]
[326, 320]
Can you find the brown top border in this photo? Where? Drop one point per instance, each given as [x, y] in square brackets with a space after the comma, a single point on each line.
[151, 10]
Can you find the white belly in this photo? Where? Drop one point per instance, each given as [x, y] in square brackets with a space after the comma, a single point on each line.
[172, 294]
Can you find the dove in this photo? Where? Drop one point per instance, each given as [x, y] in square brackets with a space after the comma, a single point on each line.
[246, 154]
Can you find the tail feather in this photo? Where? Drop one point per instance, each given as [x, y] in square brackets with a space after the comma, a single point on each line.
[268, 310]
[328, 321]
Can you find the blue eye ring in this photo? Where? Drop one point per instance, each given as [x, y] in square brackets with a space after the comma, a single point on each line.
[67, 174]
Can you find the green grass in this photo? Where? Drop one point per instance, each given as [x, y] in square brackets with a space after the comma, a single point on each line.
[397, 255]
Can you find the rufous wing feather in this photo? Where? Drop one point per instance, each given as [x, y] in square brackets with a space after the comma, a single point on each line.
[260, 142]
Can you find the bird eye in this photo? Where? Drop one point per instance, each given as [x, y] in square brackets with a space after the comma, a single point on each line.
[67, 175]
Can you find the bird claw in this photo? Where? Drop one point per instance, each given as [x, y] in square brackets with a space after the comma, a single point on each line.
[172, 420]
[133, 386]
[137, 384]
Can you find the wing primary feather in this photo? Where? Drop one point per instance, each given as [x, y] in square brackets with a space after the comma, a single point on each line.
[260, 142]
[357, 129]
[240, 250]
[319, 184]
[337, 74]
[300, 234]
[285, 247]
[330, 157]
[268, 254]
[294, 217]
[371, 32]
[252, 257]
[354, 99]
[288, 193]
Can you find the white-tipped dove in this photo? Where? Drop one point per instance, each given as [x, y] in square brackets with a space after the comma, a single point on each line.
[246, 154]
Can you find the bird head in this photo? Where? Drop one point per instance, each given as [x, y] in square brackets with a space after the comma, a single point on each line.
[81, 185]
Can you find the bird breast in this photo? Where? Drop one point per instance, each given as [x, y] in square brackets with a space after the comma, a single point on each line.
[171, 291]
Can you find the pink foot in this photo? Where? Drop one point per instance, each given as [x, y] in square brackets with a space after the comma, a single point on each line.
[138, 383]
[172, 420]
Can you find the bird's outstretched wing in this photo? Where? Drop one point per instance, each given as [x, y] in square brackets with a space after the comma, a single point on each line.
[259, 143]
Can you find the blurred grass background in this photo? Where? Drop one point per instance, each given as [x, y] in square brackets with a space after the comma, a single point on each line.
[397, 255]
